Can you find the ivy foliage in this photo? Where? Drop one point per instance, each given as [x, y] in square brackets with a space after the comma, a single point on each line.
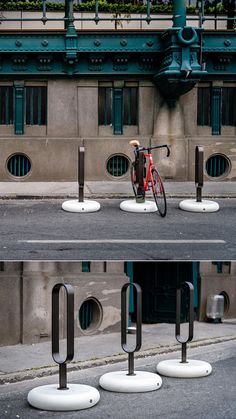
[111, 6]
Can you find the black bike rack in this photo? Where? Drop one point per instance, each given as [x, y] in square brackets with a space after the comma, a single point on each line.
[183, 342]
[199, 160]
[124, 327]
[56, 334]
[140, 176]
[81, 159]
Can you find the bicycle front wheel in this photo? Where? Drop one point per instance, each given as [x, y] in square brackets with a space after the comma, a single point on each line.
[159, 193]
[133, 180]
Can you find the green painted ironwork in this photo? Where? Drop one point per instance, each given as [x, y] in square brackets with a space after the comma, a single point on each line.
[19, 165]
[117, 165]
[216, 165]
[179, 13]
[19, 108]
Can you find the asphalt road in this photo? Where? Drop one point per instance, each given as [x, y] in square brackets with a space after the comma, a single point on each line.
[203, 398]
[41, 230]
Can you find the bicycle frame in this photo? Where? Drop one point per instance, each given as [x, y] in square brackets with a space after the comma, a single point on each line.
[149, 177]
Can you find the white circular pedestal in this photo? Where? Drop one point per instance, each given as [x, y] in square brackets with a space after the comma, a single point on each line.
[141, 382]
[190, 369]
[194, 206]
[133, 206]
[76, 397]
[85, 206]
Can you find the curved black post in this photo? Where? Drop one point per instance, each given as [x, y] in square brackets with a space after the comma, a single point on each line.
[81, 173]
[56, 334]
[124, 323]
[140, 176]
[178, 313]
[199, 157]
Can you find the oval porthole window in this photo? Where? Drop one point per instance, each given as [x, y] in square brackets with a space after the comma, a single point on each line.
[90, 315]
[117, 165]
[19, 165]
[217, 165]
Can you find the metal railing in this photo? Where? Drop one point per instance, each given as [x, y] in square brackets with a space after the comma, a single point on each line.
[117, 17]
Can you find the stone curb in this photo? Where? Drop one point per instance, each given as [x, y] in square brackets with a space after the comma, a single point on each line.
[109, 196]
[45, 371]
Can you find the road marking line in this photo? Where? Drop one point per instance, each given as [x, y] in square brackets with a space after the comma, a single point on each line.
[122, 241]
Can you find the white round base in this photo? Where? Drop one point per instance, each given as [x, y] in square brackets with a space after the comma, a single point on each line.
[194, 206]
[85, 206]
[191, 369]
[120, 382]
[76, 397]
[133, 206]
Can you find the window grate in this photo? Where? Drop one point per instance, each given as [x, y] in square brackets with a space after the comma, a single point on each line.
[6, 105]
[36, 105]
[118, 107]
[217, 165]
[19, 165]
[117, 165]
[86, 314]
[203, 106]
[85, 266]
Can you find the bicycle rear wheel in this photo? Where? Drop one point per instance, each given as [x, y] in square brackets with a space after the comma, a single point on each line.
[159, 193]
[133, 179]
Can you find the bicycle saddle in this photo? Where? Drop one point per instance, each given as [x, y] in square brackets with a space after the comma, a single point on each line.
[135, 143]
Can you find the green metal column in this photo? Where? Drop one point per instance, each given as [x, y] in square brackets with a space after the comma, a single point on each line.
[216, 110]
[69, 13]
[19, 108]
[179, 13]
[117, 111]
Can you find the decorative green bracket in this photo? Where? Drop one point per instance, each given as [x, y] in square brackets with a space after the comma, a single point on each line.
[216, 110]
[71, 39]
[19, 108]
[117, 111]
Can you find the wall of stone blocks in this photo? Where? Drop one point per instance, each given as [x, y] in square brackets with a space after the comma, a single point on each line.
[25, 298]
[215, 283]
[73, 122]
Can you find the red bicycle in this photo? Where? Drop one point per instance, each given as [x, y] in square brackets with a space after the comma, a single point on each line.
[150, 177]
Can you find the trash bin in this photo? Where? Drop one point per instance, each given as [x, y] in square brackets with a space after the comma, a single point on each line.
[215, 308]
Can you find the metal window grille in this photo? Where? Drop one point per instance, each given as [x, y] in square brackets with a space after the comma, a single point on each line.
[228, 106]
[104, 105]
[203, 106]
[6, 105]
[130, 114]
[19, 165]
[217, 165]
[85, 266]
[117, 165]
[86, 314]
[36, 105]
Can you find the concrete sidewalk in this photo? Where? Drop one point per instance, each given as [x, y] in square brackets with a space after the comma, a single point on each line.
[22, 362]
[109, 189]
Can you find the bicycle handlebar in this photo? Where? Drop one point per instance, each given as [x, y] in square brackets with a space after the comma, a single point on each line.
[152, 148]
